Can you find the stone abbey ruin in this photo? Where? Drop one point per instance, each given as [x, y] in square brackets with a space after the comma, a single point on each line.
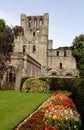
[33, 55]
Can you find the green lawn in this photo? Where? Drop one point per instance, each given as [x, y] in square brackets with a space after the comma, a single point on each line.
[16, 105]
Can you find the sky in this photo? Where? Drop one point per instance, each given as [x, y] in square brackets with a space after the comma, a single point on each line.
[66, 17]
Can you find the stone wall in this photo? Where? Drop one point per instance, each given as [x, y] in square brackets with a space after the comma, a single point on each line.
[61, 62]
[22, 65]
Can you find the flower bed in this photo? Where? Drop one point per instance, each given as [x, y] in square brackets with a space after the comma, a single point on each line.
[57, 113]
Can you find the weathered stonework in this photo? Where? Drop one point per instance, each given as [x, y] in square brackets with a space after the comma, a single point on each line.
[36, 34]
[55, 62]
[33, 54]
[61, 63]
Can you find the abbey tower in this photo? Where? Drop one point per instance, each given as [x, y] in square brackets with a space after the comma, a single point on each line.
[36, 33]
[33, 54]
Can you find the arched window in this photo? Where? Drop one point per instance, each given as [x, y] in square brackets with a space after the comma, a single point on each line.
[38, 30]
[54, 74]
[10, 77]
[57, 53]
[68, 74]
[41, 21]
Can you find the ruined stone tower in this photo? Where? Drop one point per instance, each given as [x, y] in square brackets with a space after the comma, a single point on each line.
[36, 33]
[35, 42]
[33, 54]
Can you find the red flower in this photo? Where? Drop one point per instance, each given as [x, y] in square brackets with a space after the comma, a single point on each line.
[54, 128]
[46, 127]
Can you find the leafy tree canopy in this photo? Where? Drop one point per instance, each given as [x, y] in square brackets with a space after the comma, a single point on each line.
[6, 40]
[18, 30]
[78, 52]
[2, 25]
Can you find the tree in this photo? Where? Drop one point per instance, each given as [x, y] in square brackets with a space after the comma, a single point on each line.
[7, 36]
[6, 40]
[18, 30]
[78, 52]
[2, 25]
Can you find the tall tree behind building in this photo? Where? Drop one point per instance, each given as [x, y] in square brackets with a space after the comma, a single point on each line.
[6, 40]
[78, 52]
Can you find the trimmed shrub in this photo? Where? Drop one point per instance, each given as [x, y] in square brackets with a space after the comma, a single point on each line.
[35, 85]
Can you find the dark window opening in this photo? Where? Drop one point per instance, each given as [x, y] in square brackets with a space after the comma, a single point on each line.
[53, 73]
[68, 74]
[24, 49]
[7, 77]
[30, 30]
[34, 49]
[14, 77]
[33, 33]
[64, 53]
[10, 77]
[57, 53]
[60, 65]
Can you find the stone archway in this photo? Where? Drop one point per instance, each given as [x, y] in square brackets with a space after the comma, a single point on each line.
[69, 73]
[52, 73]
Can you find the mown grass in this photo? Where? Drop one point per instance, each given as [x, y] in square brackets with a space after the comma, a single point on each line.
[16, 105]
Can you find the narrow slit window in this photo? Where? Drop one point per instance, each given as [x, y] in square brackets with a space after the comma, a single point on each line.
[64, 53]
[57, 53]
[24, 49]
[60, 65]
[33, 33]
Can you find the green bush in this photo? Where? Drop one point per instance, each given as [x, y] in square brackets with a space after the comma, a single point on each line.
[35, 85]
[61, 84]
[78, 95]
[73, 85]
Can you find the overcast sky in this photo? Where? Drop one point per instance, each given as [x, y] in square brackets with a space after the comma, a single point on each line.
[66, 17]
